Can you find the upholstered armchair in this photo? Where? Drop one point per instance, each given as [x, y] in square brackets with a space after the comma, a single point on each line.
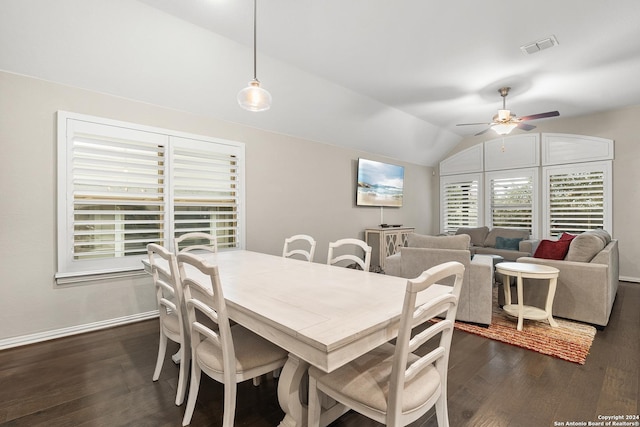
[423, 252]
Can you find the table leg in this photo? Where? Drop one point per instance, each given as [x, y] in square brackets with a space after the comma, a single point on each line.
[520, 302]
[506, 284]
[293, 394]
[549, 305]
[290, 384]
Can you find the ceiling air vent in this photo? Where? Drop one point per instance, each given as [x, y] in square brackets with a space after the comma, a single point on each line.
[539, 45]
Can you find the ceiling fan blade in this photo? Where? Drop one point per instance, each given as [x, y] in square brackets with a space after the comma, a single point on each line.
[540, 116]
[525, 126]
[470, 124]
[482, 132]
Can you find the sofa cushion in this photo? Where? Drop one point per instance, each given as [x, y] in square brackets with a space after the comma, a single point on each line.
[552, 249]
[567, 236]
[604, 235]
[461, 241]
[508, 243]
[509, 233]
[477, 234]
[585, 246]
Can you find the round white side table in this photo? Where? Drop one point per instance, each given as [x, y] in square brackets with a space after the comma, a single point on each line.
[521, 270]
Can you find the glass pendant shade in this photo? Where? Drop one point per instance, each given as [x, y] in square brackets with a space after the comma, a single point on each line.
[254, 98]
[504, 128]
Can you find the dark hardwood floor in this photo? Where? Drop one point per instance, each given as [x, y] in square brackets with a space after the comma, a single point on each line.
[104, 379]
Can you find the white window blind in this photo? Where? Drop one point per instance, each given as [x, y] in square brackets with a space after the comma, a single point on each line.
[123, 186]
[578, 198]
[460, 202]
[206, 192]
[512, 199]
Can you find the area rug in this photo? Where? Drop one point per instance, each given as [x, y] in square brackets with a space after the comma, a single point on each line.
[569, 341]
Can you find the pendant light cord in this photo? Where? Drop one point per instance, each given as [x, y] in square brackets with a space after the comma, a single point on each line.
[255, 72]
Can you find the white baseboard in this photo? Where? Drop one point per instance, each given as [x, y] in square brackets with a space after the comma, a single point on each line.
[629, 279]
[74, 330]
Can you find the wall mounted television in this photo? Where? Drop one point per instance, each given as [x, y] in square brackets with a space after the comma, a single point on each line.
[379, 184]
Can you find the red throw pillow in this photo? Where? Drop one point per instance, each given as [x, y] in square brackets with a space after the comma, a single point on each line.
[552, 249]
[567, 236]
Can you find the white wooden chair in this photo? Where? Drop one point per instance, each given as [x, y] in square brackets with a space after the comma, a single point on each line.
[172, 320]
[201, 241]
[357, 243]
[228, 354]
[392, 384]
[287, 251]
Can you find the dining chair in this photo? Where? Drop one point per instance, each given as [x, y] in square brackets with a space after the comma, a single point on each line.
[392, 384]
[357, 243]
[170, 307]
[199, 241]
[294, 241]
[227, 354]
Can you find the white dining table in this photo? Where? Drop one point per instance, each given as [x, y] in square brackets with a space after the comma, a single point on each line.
[322, 315]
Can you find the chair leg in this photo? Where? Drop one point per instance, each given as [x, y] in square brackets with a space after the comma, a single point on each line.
[185, 359]
[162, 348]
[314, 407]
[193, 393]
[442, 413]
[230, 391]
[257, 380]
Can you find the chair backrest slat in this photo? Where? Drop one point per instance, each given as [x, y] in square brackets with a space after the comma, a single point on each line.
[295, 240]
[202, 241]
[363, 262]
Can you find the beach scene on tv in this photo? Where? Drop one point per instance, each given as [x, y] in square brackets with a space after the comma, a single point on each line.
[379, 184]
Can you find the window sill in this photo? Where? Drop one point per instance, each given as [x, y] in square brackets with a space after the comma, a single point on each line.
[73, 279]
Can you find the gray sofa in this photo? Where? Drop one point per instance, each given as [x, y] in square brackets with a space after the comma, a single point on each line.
[423, 252]
[587, 282]
[509, 243]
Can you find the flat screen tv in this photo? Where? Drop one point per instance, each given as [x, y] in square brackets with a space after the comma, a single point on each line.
[379, 184]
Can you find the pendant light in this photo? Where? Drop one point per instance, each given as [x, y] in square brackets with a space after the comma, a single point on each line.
[253, 97]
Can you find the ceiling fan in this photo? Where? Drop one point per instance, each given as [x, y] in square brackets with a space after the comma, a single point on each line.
[505, 121]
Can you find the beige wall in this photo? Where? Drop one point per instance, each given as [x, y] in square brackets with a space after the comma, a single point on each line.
[621, 126]
[293, 186]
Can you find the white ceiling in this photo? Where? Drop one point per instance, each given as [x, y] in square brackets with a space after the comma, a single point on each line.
[387, 77]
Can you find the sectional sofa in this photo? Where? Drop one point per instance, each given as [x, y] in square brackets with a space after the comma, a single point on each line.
[509, 243]
[588, 278]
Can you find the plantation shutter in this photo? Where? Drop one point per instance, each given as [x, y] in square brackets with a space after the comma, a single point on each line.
[512, 198]
[206, 191]
[460, 202]
[115, 202]
[577, 198]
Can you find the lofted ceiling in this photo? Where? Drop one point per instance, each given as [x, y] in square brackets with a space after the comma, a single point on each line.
[387, 77]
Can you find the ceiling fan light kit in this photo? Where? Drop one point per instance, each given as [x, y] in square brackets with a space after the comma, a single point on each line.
[504, 122]
[504, 128]
[253, 97]
[504, 115]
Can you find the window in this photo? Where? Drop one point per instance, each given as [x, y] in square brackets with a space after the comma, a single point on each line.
[122, 186]
[577, 197]
[460, 201]
[206, 192]
[562, 184]
[513, 199]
